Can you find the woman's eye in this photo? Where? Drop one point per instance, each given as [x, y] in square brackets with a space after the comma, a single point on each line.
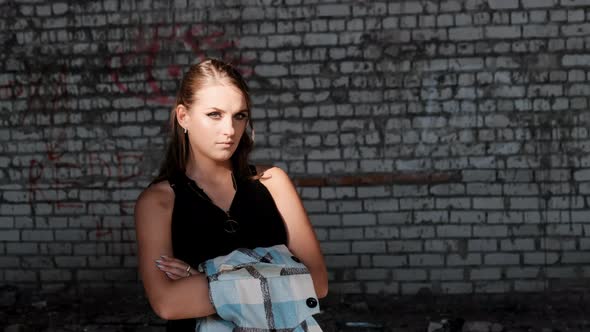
[214, 114]
[241, 116]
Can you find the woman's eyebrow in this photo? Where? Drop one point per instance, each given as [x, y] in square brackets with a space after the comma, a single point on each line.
[223, 111]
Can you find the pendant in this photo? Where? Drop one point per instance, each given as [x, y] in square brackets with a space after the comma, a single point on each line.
[231, 226]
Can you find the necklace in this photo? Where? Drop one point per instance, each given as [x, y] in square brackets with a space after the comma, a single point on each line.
[230, 225]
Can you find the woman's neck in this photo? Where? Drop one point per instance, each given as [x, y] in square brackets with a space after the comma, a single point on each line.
[208, 172]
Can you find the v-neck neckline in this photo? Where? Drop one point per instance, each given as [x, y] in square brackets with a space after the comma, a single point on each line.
[193, 185]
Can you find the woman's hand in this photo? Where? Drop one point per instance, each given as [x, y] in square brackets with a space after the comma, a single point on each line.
[174, 268]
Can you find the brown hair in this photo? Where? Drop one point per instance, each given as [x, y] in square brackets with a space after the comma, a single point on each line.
[198, 76]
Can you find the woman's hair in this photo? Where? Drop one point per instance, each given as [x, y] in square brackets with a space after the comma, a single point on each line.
[208, 72]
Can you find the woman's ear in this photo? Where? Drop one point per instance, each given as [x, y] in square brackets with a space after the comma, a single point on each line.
[182, 115]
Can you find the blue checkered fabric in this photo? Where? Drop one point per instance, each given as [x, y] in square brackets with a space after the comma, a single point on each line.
[259, 290]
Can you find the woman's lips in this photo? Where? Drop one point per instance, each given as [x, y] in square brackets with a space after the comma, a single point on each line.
[226, 144]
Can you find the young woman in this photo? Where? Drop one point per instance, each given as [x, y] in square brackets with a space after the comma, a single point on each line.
[208, 201]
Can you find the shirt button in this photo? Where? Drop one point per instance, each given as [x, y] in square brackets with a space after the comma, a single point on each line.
[311, 302]
[295, 259]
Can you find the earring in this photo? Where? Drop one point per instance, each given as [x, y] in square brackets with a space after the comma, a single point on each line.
[253, 135]
[185, 131]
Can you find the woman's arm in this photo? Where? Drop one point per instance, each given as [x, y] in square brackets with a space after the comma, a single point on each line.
[302, 241]
[170, 299]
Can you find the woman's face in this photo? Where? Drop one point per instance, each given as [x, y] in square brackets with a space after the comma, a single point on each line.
[216, 121]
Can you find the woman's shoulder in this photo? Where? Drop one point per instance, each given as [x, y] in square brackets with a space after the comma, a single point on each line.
[271, 175]
[260, 169]
[157, 195]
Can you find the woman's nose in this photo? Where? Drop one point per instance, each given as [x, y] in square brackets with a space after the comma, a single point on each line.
[228, 126]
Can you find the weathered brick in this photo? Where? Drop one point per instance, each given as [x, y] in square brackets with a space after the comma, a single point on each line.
[25, 248]
[362, 247]
[503, 4]
[465, 34]
[346, 233]
[334, 261]
[543, 258]
[12, 235]
[426, 260]
[457, 287]
[390, 260]
[333, 10]
[452, 231]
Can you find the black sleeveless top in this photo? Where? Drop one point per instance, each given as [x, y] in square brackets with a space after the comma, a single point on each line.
[200, 229]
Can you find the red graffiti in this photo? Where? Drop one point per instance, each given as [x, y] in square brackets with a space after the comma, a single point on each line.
[125, 168]
[146, 52]
[126, 208]
[101, 232]
[122, 161]
[95, 162]
[12, 89]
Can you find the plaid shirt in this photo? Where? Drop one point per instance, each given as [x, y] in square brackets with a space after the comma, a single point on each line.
[259, 290]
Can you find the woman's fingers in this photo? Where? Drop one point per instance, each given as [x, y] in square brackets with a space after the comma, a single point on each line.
[177, 264]
[174, 268]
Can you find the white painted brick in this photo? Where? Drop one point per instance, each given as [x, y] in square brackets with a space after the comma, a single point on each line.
[522, 272]
[349, 261]
[393, 218]
[531, 285]
[503, 4]
[9, 262]
[332, 10]
[464, 260]
[358, 219]
[389, 260]
[465, 34]
[452, 203]
[344, 206]
[543, 258]
[338, 192]
[401, 246]
[371, 274]
[446, 274]
[505, 217]
[467, 217]
[488, 203]
[539, 3]
[575, 257]
[431, 216]
[410, 275]
[381, 232]
[575, 2]
[582, 175]
[492, 286]
[325, 220]
[379, 205]
[58, 248]
[457, 287]
[37, 235]
[346, 233]
[485, 274]
[317, 39]
[413, 288]
[452, 231]
[363, 247]
[411, 232]
[340, 247]
[379, 287]
[20, 275]
[37, 262]
[23, 248]
[502, 32]
[426, 260]
[447, 245]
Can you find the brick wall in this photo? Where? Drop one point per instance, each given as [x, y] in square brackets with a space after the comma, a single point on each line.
[437, 145]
